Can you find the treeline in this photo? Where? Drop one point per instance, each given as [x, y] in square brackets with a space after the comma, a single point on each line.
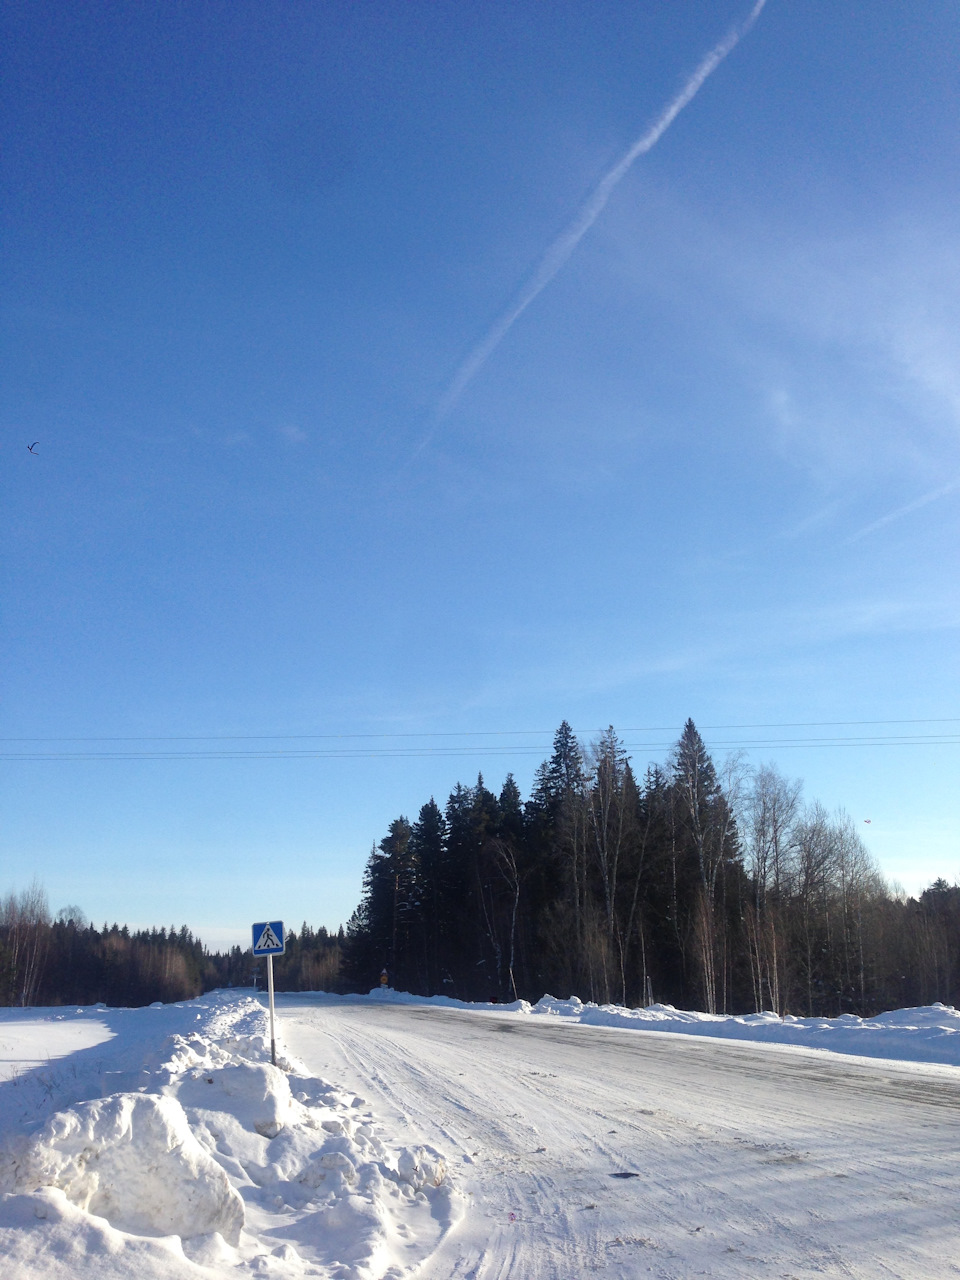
[67, 960]
[703, 887]
[696, 886]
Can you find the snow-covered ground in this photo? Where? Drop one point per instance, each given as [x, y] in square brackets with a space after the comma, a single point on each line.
[618, 1150]
[493, 1142]
[160, 1143]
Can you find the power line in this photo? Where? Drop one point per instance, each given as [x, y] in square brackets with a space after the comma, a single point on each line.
[461, 751]
[472, 733]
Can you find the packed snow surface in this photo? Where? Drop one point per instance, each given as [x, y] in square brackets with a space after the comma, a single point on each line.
[601, 1141]
[162, 1143]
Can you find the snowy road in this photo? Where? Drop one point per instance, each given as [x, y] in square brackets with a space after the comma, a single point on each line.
[749, 1160]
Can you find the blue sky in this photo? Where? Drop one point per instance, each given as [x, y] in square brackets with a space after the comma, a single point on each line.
[712, 470]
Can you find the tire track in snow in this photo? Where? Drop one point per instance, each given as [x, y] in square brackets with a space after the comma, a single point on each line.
[754, 1161]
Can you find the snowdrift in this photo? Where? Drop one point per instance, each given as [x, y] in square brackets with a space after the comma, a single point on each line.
[132, 1158]
[929, 1033]
[163, 1152]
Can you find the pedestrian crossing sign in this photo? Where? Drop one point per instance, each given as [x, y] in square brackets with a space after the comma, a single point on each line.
[268, 939]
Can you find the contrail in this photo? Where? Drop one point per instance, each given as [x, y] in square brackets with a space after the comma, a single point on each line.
[918, 503]
[559, 252]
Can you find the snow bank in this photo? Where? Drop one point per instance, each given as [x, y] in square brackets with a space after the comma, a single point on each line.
[387, 995]
[929, 1033]
[176, 1149]
[132, 1159]
[256, 1095]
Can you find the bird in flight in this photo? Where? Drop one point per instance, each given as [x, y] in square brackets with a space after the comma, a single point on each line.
[31, 447]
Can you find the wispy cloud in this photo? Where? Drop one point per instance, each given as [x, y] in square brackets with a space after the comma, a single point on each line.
[560, 251]
[906, 510]
[730, 644]
[842, 342]
[291, 433]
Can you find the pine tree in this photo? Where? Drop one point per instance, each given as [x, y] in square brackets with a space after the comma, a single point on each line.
[377, 934]
[401, 865]
[510, 809]
[614, 846]
[565, 773]
[457, 900]
[428, 849]
[707, 836]
[653, 909]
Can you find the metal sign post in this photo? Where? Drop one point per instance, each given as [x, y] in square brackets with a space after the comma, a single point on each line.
[269, 941]
[273, 1034]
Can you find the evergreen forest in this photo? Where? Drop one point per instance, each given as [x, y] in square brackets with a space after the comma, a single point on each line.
[67, 960]
[705, 887]
[702, 886]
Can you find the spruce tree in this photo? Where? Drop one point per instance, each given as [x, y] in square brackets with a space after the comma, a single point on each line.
[428, 847]
[707, 840]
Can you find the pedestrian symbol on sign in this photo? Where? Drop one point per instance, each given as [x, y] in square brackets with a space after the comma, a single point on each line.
[268, 939]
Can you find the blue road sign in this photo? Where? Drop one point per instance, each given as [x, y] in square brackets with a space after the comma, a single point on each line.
[268, 939]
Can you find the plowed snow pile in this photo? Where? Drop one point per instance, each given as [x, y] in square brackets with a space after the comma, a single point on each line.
[169, 1153]
[929, 1033]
